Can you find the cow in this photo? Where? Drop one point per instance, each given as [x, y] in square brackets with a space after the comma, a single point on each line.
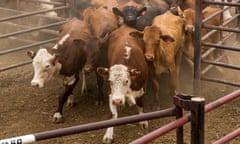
[140, 16]
[164, 41]
[127, 74]
[102, 22]
[66, 58]
[104, 3]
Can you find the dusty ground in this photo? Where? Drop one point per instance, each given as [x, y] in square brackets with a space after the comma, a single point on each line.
[26, 110]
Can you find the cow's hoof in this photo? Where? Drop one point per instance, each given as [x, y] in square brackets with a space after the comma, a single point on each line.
[58, 118]
[143, 124]
[107, 140]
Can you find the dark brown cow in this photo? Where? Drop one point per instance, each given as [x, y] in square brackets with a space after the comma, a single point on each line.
[163, 46]
[127, 74]
[66, 58]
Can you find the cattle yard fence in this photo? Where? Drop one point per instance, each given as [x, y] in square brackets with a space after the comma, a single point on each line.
[196, 105]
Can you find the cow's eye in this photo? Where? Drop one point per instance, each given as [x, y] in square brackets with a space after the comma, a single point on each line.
[47, 67]
[125, 82]
[157, 42]
[110, 83]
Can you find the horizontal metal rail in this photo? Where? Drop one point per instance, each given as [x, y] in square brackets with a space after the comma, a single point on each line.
[181, 121]
[220, 81]
[92, 126]
[46, 2]
[222, 3]
[15, 65]
[221, 64]
[32, 29]
[31, 13]
[236, 30]
[228, 137]
[27, 46]
[225, 47]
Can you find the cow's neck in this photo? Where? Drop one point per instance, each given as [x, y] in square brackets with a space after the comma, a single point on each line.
[57, 64]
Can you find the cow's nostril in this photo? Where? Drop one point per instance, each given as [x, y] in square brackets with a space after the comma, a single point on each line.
[117, 102]
[149, 58]
[34, 84]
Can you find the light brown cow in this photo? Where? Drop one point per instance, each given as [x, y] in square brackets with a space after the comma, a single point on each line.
[102, 22]
[189, 15]
[164, 41]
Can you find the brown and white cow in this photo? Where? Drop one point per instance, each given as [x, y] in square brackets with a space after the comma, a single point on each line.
[127, 74]
[163, 46]
[66, 58]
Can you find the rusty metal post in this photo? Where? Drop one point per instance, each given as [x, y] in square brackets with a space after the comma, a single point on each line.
[179, 130]
[197, 46]
[197, 120]
[196, 106]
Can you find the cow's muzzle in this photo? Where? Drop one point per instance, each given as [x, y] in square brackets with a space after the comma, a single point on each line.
[117, 102]
[36, 84]
[149, 57]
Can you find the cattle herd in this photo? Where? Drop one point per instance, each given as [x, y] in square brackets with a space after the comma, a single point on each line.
[128, 45]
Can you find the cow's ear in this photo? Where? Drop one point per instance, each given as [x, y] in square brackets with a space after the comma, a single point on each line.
[116, 11]
[104, 72]
[134, 73]
[31, 54]
[136, 34]
[141, 11]
[180, 12]
[79, 42]
[166, 38]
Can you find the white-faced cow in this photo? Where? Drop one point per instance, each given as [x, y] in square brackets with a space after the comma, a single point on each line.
[163, 46]
[127, 74]
[66, 58]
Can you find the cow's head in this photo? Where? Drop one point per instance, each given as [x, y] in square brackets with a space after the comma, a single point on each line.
[152, 38]
[119, 77]
[44, 65]
[129, 14]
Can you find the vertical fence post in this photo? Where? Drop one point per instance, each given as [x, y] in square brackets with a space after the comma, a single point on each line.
[196, 106]
[179, 130]
[238, 20]
[197, 120]
[197, 46]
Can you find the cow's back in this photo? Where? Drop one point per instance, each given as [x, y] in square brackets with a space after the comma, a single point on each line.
[171, 25]
[119, 41]
[76, 28]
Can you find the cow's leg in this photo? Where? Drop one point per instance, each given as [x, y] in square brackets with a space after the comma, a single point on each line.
[100, 82]
[70, 83]
[84, 89]
[156, 87]
[172, 81]
[176, 70]
[143, 124]
[108, 137]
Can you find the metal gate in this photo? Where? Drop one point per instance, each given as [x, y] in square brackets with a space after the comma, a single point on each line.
[28, 24]
[229, 31]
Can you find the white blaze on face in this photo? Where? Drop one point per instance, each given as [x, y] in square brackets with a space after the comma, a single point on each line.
[43, 67]
[61, 41]
[120, 81]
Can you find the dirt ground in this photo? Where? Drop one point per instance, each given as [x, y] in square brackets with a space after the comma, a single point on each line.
[25, 110]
